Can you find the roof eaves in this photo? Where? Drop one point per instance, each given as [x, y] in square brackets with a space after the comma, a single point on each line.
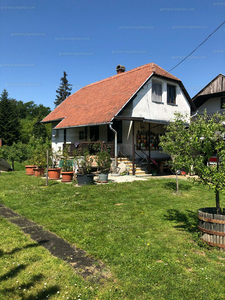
[78, 126]
[196, 96]
[51, 121]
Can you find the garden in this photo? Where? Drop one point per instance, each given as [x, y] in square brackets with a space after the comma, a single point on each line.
[144, 232]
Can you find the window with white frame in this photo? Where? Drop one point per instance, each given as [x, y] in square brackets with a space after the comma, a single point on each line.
[156, 91]
[171, 94]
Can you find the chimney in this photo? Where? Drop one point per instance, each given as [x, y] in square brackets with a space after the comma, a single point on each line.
[120, 69]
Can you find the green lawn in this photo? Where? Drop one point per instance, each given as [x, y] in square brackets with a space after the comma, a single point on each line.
[143, 231]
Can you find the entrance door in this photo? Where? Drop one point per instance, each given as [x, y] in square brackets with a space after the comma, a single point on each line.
[94, 133]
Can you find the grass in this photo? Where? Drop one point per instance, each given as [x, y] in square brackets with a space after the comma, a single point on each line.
[143, 231]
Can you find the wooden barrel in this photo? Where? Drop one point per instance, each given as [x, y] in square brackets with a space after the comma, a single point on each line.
[212, 226]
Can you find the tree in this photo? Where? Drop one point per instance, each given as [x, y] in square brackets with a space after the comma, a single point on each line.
[30, 110]
[9, 121]
[39, 130]
[191, 147]
[17, 152]
[63, 90]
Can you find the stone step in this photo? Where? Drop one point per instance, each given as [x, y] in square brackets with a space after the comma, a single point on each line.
[139, 169]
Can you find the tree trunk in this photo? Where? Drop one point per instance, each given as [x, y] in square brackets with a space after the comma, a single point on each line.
[217, 191]
[218, 208]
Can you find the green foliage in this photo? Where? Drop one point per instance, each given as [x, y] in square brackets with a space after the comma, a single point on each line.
[84, 161]
[192, 147]
[54, 157]
[63, 90]
[9, 121]
[39, 129]
[67, 163]
[104, 161]
[30, 110]
[37, 151]
[17, 152]
[39, 156]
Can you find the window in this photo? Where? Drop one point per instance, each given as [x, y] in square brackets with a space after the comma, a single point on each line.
[156, 91]
[222, 103]
[171, 94]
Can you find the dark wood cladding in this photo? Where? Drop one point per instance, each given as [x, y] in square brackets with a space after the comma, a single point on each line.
[212, 226]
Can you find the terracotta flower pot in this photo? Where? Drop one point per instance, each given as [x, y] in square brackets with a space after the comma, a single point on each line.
[39, 172]
[67, 176]
[30, 170]
[54, 173]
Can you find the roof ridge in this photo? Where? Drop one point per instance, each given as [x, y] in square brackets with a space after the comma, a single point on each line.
[152, 65]
[116, 75]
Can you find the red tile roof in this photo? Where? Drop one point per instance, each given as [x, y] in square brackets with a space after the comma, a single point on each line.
[99, 102]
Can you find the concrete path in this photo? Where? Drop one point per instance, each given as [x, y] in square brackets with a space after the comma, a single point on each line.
[87, 267]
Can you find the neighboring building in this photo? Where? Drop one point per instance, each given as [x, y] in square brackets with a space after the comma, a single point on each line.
[212, 97]
[136, 104]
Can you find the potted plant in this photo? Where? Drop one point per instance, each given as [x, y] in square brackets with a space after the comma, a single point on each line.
[54, 171]
[40, 161]
[104, 165]
[31, 166]
[83, 166]
[67, 166]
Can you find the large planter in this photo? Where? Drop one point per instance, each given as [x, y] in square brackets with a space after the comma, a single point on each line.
[54, 173]
[39, 172]
[30, 170]
[212, 226]
[67, 176]
[83, 179]
[103, 177]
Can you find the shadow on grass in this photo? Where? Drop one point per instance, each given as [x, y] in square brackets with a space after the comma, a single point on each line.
[187, 220]
[12, 273]
[183, 186]
[43, 294]
[17, 249]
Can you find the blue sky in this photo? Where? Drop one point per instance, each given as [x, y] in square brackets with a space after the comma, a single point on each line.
[88, 38]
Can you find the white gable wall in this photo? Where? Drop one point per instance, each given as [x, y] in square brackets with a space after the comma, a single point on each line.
[211, 106]
[143, 106]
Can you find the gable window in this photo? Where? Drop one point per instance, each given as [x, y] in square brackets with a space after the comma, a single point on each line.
[156, 91]
[171, 94]
[222, 103]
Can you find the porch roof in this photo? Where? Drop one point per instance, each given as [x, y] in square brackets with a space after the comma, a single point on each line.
[99, 102]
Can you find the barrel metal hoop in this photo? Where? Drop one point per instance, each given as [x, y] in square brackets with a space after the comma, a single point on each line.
[211, 231]
[211, 220]
[214, 244]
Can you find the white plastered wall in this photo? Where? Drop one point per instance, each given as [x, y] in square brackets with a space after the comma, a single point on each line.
[212, 105]
[143, 107]
[73, 134]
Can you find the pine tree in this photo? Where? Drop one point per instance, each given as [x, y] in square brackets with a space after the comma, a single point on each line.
[63, 90]
[9, 121]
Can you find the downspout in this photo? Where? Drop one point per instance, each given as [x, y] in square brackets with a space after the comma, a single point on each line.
[110, 126]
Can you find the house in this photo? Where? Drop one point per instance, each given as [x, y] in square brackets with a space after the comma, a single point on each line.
[127, 111]
[212, 97]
